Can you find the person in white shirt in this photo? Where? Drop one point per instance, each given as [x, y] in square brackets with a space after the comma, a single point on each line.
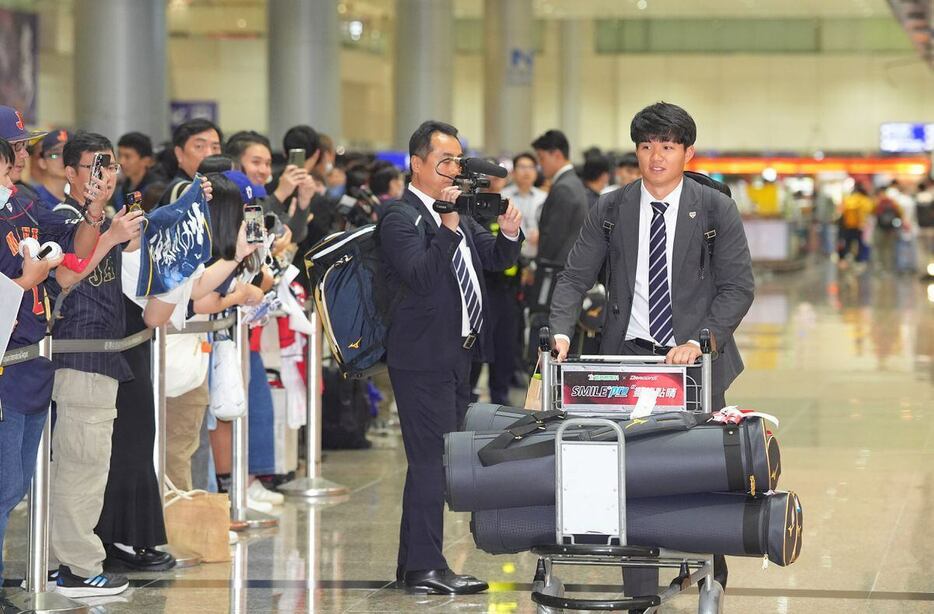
[527, 198]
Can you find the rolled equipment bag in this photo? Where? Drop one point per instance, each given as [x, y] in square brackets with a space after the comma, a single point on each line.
[705, 458]
[711, 523]
[482, 417]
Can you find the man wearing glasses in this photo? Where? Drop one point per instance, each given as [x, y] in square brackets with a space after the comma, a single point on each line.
[85, 388]
[51, 186]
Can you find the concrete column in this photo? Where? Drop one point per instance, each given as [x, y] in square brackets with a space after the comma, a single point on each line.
[120, 68]
[570, 105]
[424, 65]
[304, 67]
[508, 68]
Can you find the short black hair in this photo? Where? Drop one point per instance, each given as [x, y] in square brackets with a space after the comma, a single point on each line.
[138, 142]
[81, 142]
[628, 160]
[301, 137]
[241, 141]
[663, 121]
[6, 151]
[420, 141]
[381, 177]
[525, 154]
[594, 166]
[553, 140]
[217, 163]
[192, 127]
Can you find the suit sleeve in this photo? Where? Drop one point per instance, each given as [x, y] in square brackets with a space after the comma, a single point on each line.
[732, 275]
[580, 273]
[497, 253]
[558, 220]
[403, 246]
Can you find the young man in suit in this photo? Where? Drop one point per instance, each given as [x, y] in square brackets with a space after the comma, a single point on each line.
[565, 208]
[436, 263]
[665, 286]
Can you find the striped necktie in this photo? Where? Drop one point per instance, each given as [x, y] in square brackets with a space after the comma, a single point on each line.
[474, 310]
[660, 318]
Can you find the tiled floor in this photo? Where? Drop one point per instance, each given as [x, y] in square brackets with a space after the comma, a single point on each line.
[845, 361]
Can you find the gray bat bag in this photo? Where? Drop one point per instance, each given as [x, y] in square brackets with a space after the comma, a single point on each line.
[666, 454]
[711, 523]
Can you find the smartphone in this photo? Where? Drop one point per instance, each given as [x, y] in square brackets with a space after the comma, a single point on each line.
[255, 224]
[297, 157]
[133, 201]
[97, 169]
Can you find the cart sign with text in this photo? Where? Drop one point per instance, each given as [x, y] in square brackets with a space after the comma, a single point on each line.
[618, 387]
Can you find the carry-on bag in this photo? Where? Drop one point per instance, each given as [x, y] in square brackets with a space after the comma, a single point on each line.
[718, 523]
[672, 457]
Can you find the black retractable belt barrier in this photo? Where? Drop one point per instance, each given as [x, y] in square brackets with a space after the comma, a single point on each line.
[719, 523]
[669, 458]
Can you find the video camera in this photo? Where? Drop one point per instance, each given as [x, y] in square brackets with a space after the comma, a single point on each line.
[358, 206]
[480, 205]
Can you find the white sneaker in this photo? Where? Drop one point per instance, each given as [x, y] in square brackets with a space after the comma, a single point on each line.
[258, 506]
[258, 492]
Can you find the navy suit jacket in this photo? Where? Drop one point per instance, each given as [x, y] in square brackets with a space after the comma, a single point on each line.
[425, 331]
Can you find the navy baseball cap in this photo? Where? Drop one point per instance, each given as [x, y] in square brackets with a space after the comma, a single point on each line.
[248, 190]
[55, 137]
[13, 127]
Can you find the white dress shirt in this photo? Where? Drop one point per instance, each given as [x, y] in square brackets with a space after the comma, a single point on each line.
[530, 206]
[639, 318]
[567, 167]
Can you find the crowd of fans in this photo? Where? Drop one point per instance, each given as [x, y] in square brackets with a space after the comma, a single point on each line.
[106, 508]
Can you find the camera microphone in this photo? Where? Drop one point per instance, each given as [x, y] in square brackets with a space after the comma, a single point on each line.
[481, 166]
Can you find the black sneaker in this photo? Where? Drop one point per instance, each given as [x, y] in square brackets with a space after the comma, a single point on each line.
[106, 583]
[50, 580]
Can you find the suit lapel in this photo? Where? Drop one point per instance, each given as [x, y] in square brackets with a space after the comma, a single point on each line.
[629, 222]
[409, 197]
[685, 229]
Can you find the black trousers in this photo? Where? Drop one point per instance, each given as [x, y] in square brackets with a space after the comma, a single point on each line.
[431, 403]
[641, 581]
[505, 317]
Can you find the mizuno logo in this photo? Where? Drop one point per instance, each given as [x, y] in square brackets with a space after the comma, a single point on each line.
[355, 345]
[636, 422]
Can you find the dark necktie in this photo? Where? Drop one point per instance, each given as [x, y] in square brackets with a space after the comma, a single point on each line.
[474, 311]
[660, 323]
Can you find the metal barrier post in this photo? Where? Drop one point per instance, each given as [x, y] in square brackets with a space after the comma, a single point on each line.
[546, 368]
[35, 598]
[239, 512]
[313, 485]
[706, 344]
[183, 558]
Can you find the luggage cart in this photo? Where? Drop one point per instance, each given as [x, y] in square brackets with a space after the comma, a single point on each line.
[590, 502]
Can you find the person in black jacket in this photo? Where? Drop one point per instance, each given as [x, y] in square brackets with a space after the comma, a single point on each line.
[565, 209]
[435, 262]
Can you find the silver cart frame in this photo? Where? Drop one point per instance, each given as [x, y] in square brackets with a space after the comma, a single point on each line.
[608, 493]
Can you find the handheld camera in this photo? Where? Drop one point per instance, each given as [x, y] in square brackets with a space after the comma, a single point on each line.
[473, 177]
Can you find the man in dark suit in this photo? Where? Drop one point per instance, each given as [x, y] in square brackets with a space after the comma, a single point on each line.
[436, 263]
[565, 208]
[665, 285]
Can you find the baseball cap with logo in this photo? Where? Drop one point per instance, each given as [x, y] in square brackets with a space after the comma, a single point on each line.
[55, 138]
[13, 127]
[248, 191]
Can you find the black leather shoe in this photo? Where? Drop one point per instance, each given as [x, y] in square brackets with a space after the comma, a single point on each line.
[143, 559]
[442, 582]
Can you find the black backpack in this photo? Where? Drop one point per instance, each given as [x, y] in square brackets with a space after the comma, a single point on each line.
[346, 272]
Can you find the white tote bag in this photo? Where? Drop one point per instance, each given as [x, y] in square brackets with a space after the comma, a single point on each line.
[186, 363]
[228, 397]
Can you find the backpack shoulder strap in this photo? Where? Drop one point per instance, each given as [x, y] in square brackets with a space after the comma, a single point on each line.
[709, 206]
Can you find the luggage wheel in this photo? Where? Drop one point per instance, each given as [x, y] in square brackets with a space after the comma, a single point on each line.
[547, 584]
[710, 600]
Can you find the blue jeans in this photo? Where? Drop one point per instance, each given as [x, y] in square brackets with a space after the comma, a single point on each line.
[19, 442]
[262, 442]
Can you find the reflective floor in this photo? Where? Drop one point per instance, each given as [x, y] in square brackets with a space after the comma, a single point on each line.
[845, 361]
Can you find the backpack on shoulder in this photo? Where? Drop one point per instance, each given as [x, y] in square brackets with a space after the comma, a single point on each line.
[346, 272]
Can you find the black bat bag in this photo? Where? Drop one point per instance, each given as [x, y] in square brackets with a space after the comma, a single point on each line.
[708, 523]
[489, 470]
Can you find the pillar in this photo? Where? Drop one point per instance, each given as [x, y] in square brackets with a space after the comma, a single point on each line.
[508, 68]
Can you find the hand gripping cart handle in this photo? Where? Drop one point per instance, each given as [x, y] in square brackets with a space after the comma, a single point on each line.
[590, 504]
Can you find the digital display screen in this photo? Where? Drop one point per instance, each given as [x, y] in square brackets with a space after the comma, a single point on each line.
[905, 137]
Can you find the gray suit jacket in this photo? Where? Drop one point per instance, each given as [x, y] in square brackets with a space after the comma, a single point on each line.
[563, 214]
[717, 301]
